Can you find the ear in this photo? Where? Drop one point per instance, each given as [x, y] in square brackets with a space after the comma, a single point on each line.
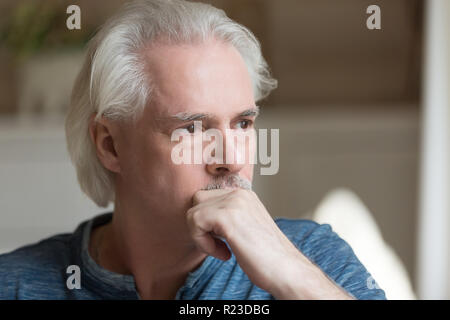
[101, 135]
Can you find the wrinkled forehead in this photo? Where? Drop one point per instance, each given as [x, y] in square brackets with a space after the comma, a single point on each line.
[206, 77]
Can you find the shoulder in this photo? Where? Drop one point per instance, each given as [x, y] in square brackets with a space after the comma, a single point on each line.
[296, 229]
[309, 236]
[34, 265]
[335, 257]
[312, 238]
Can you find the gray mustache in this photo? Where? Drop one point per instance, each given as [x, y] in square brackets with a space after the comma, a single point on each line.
[232, 181]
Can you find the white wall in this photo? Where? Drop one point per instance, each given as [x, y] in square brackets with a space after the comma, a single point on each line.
[434, 224]
[371, 151]
[39, 194]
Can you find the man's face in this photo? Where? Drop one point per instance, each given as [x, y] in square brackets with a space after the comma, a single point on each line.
[208, 82]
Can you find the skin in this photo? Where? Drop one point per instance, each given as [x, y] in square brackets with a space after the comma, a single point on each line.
[162, 222]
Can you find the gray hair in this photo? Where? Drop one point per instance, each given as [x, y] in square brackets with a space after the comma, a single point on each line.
[112, 82]
[232, 181]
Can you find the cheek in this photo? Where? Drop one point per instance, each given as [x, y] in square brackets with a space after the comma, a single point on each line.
[184, 182]
[161, 179]
[186, 179]
[145, 162]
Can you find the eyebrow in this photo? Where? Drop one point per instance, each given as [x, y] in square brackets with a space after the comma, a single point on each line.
[186, 116]
[253, 112]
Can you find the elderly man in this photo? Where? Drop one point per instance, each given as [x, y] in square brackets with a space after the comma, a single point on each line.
[178, 231]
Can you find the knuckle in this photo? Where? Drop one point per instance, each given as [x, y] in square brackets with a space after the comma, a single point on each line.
[193, 216]
[222, 227]
[197, 197]
[189, 213]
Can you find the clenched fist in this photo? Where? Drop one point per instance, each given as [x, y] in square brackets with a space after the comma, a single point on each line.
[265, 254]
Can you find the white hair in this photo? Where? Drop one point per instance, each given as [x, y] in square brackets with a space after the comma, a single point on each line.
[112, 82]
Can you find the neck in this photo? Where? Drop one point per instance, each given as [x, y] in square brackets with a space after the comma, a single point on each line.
[156, 251]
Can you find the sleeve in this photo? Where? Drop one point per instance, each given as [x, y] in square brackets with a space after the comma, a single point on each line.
[336, 259]
[8, 279]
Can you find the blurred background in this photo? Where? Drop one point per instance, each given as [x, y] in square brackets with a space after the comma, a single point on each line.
[363, 118]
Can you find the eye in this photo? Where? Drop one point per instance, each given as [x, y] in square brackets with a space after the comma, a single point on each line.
[191, 128]
[244, 124]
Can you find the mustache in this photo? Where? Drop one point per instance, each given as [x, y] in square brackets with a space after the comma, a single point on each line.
[230, 181]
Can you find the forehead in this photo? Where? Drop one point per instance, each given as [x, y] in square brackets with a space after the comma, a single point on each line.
[209, 77]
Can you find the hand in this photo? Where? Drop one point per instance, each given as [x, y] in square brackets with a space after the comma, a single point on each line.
[261, 249]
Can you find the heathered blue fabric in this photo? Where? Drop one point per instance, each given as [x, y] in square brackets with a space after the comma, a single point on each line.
[38, 271]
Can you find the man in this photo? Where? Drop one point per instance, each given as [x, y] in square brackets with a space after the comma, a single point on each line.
[178, 231]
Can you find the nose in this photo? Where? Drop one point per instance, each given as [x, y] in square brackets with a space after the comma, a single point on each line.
[233, 158]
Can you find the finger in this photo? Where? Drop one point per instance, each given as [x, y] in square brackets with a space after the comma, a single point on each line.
[206, 231]
[222, 251]
[212, 246]
[204, 195]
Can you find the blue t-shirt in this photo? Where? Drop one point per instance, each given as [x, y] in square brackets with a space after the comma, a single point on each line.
[42, 270]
